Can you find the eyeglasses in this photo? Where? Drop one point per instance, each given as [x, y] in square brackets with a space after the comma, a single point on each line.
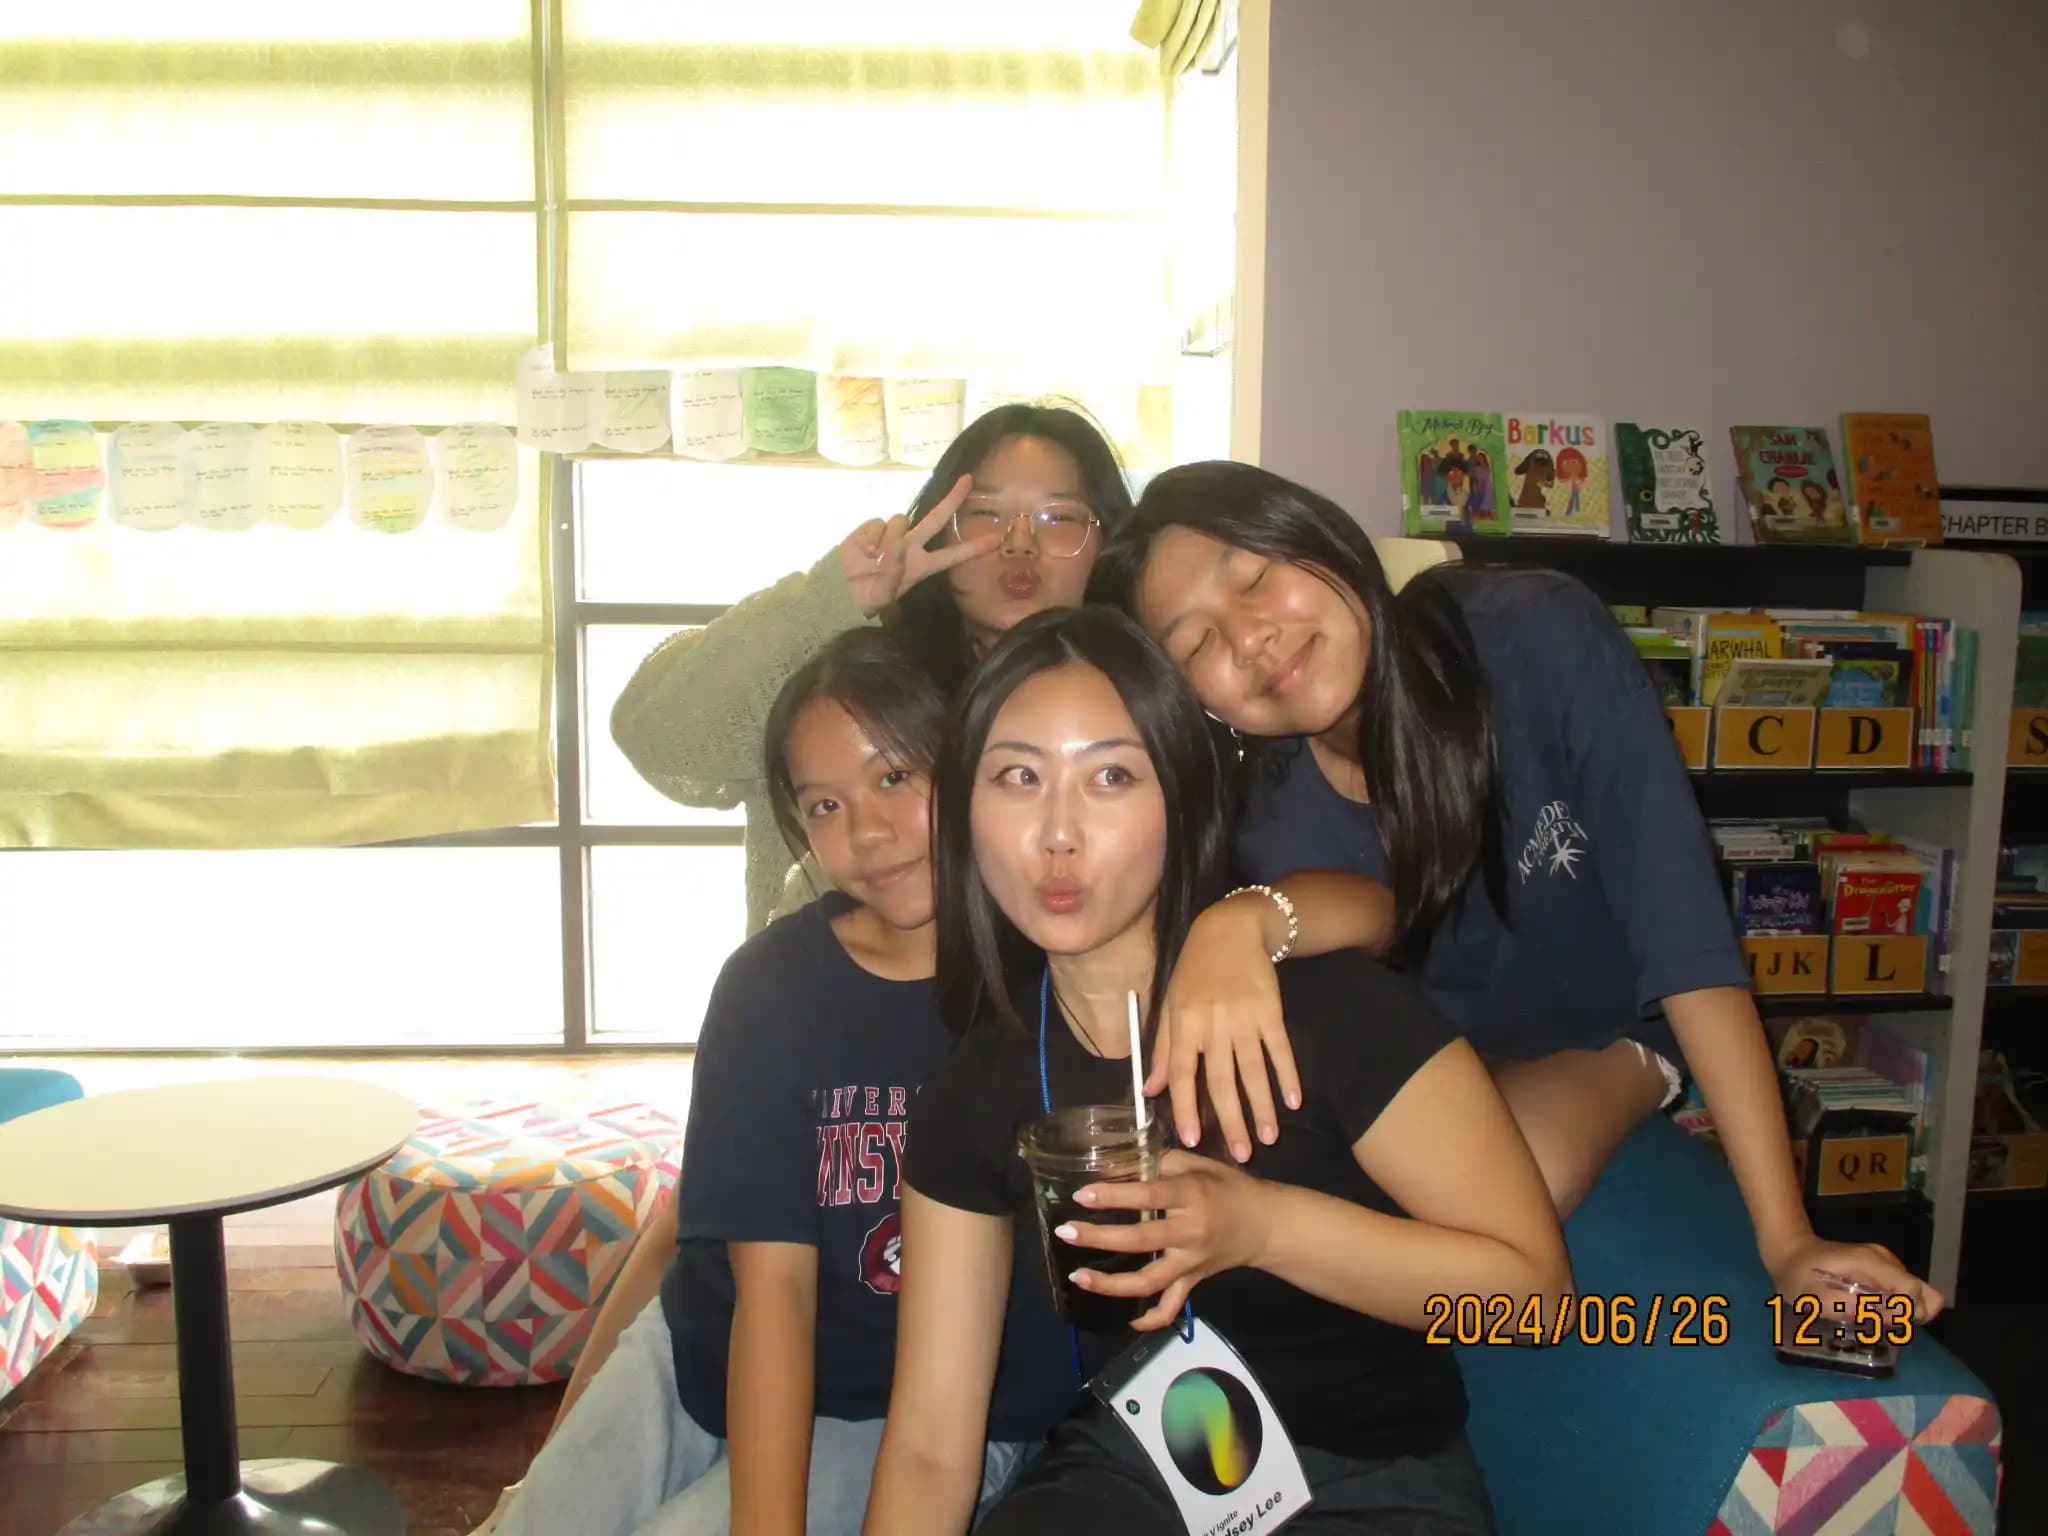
[1062, 528]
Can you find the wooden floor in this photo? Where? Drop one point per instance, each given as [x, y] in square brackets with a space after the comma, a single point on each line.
[101, 1414]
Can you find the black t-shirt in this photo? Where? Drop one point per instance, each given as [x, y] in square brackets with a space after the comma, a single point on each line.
[799, 1102]
[1342, 1381]
[1613, 903]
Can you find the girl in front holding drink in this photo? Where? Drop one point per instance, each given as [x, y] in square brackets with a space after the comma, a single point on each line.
[1080, 829]
[738, 1374]
[1488, 746]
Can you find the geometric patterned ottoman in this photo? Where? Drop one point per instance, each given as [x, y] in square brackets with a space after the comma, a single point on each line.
[482, 1250]
[1870, 1466]
[49, 1284]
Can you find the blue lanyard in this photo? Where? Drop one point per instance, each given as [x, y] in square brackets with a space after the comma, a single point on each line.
[1187, 1308]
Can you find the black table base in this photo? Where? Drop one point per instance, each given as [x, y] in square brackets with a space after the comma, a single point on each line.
[282, 1497]
[218, 1494]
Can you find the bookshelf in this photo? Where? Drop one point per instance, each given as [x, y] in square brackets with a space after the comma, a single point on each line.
[2006, 1230]
[1963, 810]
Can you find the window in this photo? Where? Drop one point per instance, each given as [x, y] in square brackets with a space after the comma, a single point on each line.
[607, 925]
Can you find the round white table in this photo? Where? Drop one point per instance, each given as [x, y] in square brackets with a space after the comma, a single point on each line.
[191, 1154]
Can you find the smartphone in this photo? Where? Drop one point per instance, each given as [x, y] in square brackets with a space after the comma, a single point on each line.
[1836, 1346]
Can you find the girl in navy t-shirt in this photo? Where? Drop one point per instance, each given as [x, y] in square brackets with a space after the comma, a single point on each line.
[1483, 762]
[739, 1373]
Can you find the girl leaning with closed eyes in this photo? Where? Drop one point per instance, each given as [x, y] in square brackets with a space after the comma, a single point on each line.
[1080, 828]
[1484, 757]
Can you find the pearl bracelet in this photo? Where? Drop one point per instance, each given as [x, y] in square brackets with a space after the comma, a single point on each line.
[1286, 910]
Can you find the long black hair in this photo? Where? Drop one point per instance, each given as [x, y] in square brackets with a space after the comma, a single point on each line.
[926, 616]
[870, 674]
[1425, 728]
[985, 964]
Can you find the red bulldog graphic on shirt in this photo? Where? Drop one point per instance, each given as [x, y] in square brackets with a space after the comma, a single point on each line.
[881, 1256]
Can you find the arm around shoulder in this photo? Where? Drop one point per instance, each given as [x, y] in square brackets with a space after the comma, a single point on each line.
[690, 719]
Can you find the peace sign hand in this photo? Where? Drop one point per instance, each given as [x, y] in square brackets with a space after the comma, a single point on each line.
[884, 560]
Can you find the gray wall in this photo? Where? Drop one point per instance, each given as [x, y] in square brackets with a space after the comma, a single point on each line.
[1739, 210]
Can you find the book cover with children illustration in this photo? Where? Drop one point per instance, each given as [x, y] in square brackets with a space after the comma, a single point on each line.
[1664, 486]
[1788, 482]
[1557, 473]
[1892, 480]
[1451, 472]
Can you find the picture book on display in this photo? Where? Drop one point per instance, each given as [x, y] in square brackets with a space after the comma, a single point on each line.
[1453, 470]
[1776, 897]
[1892, 481]
[1758, 683]
[1557, 473]
[1664, 487]
[1788, 482]
[1812, 1042]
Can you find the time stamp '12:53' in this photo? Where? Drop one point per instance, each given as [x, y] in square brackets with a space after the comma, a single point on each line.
[1681, 1319]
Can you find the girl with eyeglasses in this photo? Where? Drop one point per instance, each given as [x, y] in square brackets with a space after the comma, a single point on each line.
[1009, 523]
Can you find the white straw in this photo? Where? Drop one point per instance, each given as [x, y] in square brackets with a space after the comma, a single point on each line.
[1137, 1064]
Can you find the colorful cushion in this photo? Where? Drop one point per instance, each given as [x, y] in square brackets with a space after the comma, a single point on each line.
[1871, 1464]
[49, 1284]
[482, 1250]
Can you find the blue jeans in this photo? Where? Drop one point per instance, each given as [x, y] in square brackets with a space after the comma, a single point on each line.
[628, 1461]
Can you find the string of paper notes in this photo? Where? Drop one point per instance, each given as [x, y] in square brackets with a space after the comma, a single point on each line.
[230, 476]
[729, 413]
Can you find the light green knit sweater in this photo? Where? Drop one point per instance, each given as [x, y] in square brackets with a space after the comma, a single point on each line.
[691, 719]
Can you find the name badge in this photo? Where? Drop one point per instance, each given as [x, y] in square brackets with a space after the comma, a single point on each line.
[1208, 1427]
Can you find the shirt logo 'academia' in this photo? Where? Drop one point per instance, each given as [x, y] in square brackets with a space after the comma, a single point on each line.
[1557, 844]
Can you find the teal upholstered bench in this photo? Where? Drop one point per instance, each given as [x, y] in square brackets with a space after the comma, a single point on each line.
[1662, 1440]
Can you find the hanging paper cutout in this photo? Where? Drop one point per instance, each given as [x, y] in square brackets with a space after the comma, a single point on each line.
[708, 421]
[17, 473]
[68, 477]
[556, 412]
[149, 484]
[633, 412]
[299, 483]
[850, 429]
[224, 487]
[480, 474]
[781, 409]
[389, 482]
[924, 417]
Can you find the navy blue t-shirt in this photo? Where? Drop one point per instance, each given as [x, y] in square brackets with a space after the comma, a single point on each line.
[1613, 902]
[799, 1102]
